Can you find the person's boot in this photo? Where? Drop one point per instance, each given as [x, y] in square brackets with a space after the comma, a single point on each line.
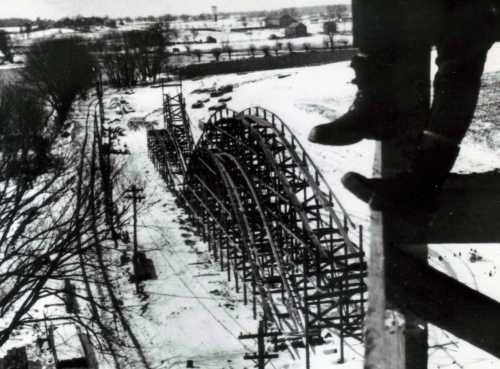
[411, 195]
[373, 113]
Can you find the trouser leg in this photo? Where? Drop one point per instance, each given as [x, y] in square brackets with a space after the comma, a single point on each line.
[461, 58]
[396, 36]
[392, 74]
[462, 47]
[463, 40]
[456, 90]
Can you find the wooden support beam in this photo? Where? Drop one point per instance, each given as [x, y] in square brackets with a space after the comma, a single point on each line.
[443, 301]
[403, 287]
[395, 340]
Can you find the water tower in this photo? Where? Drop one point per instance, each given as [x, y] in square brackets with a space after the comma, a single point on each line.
[214, 11]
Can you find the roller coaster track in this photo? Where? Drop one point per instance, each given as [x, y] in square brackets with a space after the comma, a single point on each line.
[269, 217]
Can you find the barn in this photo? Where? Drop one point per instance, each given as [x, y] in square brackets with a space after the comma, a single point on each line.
[282, 21]
[296, 30]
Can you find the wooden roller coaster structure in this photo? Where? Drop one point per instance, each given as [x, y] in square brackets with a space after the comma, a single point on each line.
[270, 219]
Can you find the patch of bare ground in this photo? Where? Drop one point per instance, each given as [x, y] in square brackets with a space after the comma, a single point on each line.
[486, 125]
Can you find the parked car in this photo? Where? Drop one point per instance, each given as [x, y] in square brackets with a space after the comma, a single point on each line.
[216, 93]
[226, 88]
[222, 90]
[217, 107]
[197, 105]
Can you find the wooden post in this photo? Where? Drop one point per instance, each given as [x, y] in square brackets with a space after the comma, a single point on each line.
[261, 357]
[405, 293]
[395, 340]
[306, 310]
[135, 197]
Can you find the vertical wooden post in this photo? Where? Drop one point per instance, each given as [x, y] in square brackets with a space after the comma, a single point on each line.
[306, 310]
[261, 356]
[254, 297]
[135, 197]
[395, 340]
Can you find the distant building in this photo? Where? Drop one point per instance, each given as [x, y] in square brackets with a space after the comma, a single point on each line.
[211, 40]
[283, 21]
[344, 25]
[330, 27]
[296, 30]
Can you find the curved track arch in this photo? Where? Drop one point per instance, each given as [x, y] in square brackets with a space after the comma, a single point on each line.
[271, 220]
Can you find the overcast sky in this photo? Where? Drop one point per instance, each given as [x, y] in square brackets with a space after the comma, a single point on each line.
[118, 8]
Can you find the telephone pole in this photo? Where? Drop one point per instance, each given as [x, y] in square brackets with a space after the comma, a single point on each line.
[136, 196]
[261, 357]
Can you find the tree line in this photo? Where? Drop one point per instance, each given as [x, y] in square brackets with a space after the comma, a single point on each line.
[134, 56]
[55, 223]
[34, 110]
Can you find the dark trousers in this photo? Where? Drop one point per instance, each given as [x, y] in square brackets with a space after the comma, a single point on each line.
[398, 31]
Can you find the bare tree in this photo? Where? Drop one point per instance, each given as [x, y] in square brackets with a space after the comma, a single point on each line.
[277, 47]
[331, 31]
[290, 11]
[120, 65]
[290, 47]
[60, 70]
[336, 11]
[307, 46]
[53, 233]
[198, 54]
[136, 55]
[147, 47]
[252, 49]
[266, 50]
[194, 33]
[228, 50]
[326, 43]
[6, 46]
[216, 52]
[25, 134]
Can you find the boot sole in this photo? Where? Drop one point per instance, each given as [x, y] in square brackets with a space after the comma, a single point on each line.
[324, 138]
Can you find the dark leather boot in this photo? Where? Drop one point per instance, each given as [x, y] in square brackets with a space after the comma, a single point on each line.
[412, 195]
[373, 114]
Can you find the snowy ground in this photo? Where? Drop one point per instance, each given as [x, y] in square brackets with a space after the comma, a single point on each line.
[193, 312]
[242, 40]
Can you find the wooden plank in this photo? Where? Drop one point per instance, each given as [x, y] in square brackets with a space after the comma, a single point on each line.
[443, 301]
[403, 287]
[393, 340]
[375, 330]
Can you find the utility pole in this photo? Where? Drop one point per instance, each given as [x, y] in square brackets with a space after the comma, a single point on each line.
[104, 156]
[261, 355]
[135, 196]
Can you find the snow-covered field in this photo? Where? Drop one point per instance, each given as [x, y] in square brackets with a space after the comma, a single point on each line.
[24, 39]
[257, 37]
[193, 312]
